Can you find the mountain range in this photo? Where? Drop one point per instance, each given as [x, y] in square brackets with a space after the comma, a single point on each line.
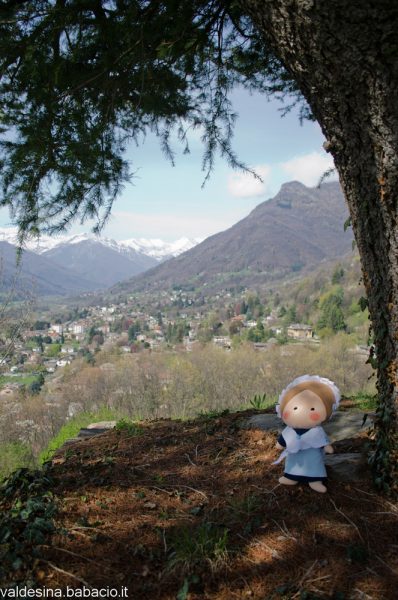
[297, 229]
[79, 263]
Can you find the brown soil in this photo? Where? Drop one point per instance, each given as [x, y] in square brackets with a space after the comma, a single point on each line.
[125, 500]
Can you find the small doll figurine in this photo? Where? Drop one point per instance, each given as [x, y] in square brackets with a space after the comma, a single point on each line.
[303, 405]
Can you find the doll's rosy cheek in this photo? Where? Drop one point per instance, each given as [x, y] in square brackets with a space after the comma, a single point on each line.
[314, 416]
[286, 413]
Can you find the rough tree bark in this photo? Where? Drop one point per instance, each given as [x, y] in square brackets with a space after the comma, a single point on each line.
[344, 56]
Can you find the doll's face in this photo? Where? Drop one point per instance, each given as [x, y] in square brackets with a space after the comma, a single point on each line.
[304, 411]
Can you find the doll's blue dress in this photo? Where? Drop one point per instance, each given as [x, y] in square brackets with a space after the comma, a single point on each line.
[305, 465]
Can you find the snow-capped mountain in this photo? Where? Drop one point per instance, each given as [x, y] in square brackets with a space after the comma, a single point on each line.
[155, 248]
[85, 261]
[159, 249]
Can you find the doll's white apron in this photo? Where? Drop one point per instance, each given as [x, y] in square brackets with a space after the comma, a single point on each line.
[304, 453]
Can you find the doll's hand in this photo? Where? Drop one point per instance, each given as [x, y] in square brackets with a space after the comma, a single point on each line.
[329, 449]
[279, 446]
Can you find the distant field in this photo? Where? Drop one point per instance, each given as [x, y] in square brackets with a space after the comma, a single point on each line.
[19, 378]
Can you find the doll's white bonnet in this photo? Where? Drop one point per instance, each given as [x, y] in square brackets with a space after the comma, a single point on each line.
[309, 379]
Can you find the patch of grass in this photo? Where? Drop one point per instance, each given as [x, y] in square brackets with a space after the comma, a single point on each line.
[244, 507]
[190, 548]
[19, 378]
[245, 511]
[72, 428]
[129, 427]
[14, 455]
[213, 414]
[365, 401]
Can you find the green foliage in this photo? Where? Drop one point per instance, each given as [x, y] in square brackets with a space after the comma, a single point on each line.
[290, 315]
[282, 338]
[258, 333]
[365, 401]
[332, 316]
[95, 335]
[37, 384]
[384, 458]
[26, 521]
[72, 428]
[79, 79]
[338, 275]
[129, 427]
[133, 330]
[53, 350]
[26, 380]
[363, 303]
[175, 332]
[14, 455]
[259, 401]
[190, 548]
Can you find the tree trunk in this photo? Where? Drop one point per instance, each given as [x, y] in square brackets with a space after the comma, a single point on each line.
[344, 58]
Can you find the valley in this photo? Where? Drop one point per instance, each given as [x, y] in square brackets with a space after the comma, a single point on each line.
[170, 344]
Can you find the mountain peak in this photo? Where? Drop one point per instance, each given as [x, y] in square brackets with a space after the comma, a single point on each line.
[292, 186]
[298, 228]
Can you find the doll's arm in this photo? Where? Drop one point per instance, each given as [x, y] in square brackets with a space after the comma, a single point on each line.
[280, 442]
[328, 449]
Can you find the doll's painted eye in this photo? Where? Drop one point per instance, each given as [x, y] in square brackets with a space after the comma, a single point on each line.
[295, 408]
[312, 408]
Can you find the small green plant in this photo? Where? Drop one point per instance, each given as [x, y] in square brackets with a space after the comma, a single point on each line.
[190, 548]
[84, 522]
[259, 401]
[182, 593]
[129, 427]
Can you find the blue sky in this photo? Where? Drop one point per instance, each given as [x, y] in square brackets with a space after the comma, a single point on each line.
[168, 202]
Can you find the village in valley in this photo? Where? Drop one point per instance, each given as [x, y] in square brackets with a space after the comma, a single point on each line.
[44, 346]
[176, 321]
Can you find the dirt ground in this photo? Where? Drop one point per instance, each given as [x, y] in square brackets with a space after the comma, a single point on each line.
[193, 510]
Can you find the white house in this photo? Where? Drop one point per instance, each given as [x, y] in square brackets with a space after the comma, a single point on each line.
[62, 362]
[78, 328]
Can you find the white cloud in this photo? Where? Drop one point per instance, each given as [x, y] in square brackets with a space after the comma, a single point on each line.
[125, 224]
[309, 168]
[245, 185]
